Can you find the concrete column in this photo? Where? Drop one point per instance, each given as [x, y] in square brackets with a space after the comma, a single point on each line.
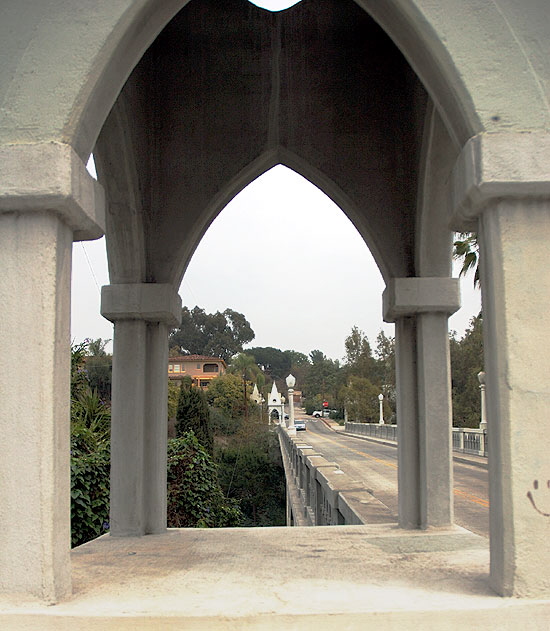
[35, 259]
[142, 314]
[501, 186]
[515, 237]
[156, 428]
[127, 427]
[408, 472]
[435, 420]
[420, 308]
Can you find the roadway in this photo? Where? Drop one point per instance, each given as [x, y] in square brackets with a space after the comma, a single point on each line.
[375, 465]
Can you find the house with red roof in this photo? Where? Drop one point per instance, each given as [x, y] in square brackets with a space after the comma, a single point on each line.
[201, 368]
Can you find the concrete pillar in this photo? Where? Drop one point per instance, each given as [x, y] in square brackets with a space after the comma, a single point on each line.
[515, 237]
[420, 308]
[435, 416]
[408, 471]
[35, 259]
[142, 314]
[501, 181]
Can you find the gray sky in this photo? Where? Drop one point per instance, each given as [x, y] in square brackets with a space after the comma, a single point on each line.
[283, 254]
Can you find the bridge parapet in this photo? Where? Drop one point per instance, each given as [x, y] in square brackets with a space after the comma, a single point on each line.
[319, 493]
[465, 439]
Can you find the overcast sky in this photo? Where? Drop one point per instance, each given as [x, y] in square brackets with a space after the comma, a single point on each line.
[283, 254]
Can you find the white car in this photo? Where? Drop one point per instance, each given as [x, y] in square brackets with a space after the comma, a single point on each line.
[300, 425]
[320, 413]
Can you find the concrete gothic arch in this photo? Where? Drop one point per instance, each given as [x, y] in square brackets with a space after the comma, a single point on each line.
[466, 149]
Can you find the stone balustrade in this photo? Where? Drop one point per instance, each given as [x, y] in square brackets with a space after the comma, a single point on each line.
[465, 440]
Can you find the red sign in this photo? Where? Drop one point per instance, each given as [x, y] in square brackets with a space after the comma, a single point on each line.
[325, 404]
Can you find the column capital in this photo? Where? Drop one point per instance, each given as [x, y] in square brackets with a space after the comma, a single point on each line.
[152, 302]
[50, 177]
[498, 165]
[408, 296]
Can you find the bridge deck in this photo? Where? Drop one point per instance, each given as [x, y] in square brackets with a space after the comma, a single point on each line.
[267, 578]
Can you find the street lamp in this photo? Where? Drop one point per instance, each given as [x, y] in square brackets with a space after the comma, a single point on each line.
[291, 382]
[481, 379]
[380, 401]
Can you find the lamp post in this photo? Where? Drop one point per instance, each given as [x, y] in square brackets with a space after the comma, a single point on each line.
[380, 401]
[290, 382]
[481, 379]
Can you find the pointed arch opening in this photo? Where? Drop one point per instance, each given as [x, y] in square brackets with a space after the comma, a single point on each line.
[284, 247]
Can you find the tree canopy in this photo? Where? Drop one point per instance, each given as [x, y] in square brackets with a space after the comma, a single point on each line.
[466, 250]
[275, 362]
[466, 363]
[215, 334]
[193, 415]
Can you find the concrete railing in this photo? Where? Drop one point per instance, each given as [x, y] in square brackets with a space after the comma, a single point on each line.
[386, 432]
[470, 441]
[319, 493]
[465, 440]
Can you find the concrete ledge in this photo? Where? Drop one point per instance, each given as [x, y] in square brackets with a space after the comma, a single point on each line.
[498, 165]
[408, 296]
[153, 302]
[264, 578]
[51, 177]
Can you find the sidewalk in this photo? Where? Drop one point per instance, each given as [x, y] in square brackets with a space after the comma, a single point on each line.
[476, 461]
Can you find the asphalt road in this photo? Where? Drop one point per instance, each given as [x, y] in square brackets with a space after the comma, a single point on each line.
[375, 465]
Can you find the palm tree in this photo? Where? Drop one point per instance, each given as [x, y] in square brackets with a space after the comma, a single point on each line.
[466, 249]
[244, 365]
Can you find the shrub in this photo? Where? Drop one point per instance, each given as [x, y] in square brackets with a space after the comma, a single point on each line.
[195, 498]
[89, 494]
[251, 470]
[193, 415]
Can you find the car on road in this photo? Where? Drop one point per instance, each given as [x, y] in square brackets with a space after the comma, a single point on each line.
[300, 425]
[320, 413]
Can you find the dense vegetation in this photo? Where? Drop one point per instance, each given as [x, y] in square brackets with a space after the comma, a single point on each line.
[466, 363]
[90, 454]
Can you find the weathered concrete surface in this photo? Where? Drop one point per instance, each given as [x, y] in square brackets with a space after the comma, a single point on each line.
[265, 578]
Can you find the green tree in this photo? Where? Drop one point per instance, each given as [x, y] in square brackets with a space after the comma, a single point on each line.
[385, 366]
[466, 249]
[251, 472]
[361, 400]
[218, 334]
[466, 363]
[275, 362]
[299, 367]
[193, 415]
[245, 366]
[359, 359]
[195, 498]
[173, 398]
[99, 366]
[324, 378]
[225, 398]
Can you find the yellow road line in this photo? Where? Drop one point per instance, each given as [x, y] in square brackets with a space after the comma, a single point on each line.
[472, 498]
[468, 496]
